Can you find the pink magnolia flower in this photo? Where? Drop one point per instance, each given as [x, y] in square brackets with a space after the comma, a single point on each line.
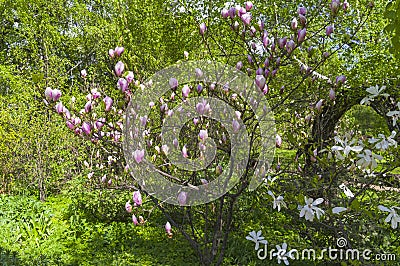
[345, 5]
[203, 28]
[143, 120]
[293, 24]
[130, 77]
[329, 30]
[332, 94]
[303, 20]
[128, 206]
[260, 81]
[99, 123]
[261, 25]
[199, 73]
[122, 84]
[86, 128]
[173, 83]
[108, 101]
[282, 42]
[203, 135]
[318, 106]
[56, 94]
[278, 141]
[70, 125]
[119, 50]
[290, 45]
[199, 88]
[88, 107]
[246, 18]
[249, 5]
[302, 11]
[232, 12]
[195, 121]
[83, 73]
[301, 35]
[238, 114]
[95, 94]
[111, 53]
[340, 80]
[184, 152]
[119, 68]
[334, 6]
[185, 91]
[137, 198]
[202, 107]
[138, 155]
[250, 59]
[241, 11]
[59, 108]
[168, 229]
[182, 197]
[134, 220]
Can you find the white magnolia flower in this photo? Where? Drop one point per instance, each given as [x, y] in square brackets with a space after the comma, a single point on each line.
[368, 159]
[395, 114]
[310, 209]
[344, 146]
[256, 238]
[282, 254]
[346, 191]
[375, 92]
[393, 217]
[338, 210]
[383, 143]
[278, 201]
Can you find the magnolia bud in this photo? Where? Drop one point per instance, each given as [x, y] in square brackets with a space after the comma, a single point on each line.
[302, 11]
[303, 20]
[278, 141]
[108, 102]
[185, 91]
[173, 83]
[329, 30]
[130, 77]
[83, 73]
[119, 68]
[260, 81]
[182, 196]
[203, 28]
[318, 106]
[290, 45]
[293, 24]
[88, 107]
[301, 34]
[332, 94]
[239, 65]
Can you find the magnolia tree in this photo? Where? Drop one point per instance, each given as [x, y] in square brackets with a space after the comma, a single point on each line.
[200, 146]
